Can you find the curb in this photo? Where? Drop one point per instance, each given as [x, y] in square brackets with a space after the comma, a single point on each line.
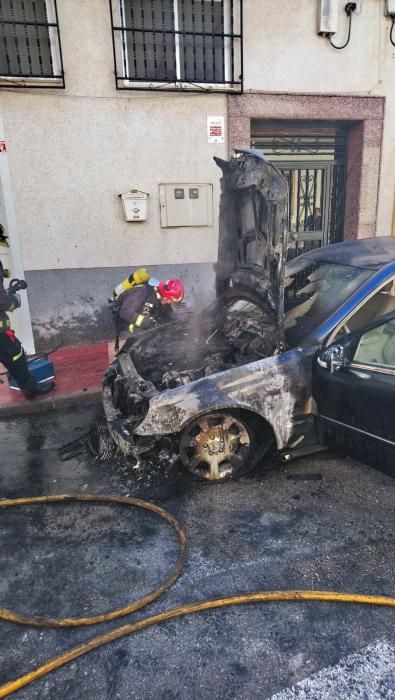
[50, 404]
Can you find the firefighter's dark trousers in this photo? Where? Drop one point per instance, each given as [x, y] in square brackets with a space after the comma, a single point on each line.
[13, 357]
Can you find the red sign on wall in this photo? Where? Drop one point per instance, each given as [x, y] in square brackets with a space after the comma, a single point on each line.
[215, 129]
[3, 147]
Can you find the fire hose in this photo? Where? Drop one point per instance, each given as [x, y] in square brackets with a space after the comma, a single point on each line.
[171, 614]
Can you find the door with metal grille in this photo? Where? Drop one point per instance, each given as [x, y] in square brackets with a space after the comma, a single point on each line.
[312, 158]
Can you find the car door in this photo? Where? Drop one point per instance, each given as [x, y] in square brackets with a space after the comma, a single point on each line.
[354, 392]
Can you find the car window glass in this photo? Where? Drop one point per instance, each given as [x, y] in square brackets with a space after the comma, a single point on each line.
[377, 346]
[313, 292]
[380, 304]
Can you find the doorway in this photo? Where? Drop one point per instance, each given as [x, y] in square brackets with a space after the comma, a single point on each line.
[312, 156]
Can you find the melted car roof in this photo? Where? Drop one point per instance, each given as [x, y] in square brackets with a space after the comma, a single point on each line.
[368, 253]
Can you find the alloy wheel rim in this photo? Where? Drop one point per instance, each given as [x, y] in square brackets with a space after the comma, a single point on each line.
[214, 447]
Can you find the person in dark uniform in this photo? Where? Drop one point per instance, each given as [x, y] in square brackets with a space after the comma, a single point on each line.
[314, 222]
[12, 354]
[147, 305]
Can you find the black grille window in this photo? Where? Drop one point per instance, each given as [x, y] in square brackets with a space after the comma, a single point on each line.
[29, 42]
[179, 43]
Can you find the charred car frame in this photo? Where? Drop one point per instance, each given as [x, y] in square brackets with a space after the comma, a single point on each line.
[237, 379]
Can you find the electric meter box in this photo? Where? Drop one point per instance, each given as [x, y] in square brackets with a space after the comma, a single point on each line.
[327, 17]
[135, 205]
[390, 8]
[186, 204]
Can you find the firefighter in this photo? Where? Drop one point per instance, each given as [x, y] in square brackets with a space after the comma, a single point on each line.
[147, 305]
[12, 354]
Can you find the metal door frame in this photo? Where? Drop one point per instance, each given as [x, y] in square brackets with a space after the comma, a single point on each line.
[323, 234]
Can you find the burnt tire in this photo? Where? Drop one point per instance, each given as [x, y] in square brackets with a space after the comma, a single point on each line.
[220, 446]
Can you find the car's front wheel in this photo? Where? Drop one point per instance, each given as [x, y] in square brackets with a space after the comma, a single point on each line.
[219, 446]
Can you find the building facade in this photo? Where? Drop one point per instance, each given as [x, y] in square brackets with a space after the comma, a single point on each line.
[99, 98]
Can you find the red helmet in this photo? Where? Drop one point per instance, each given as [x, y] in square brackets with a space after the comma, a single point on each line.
[173, 290]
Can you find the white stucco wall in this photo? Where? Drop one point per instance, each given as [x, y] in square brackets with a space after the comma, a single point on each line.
[288, 55]
[386, 203]
[72, 151]
[284, 53]
[72, 157]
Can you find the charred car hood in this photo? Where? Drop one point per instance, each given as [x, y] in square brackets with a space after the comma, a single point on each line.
[201, 344]
[180, 345]
[253, 224]
[245, 324]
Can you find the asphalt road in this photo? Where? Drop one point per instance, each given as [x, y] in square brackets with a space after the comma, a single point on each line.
[276, 529]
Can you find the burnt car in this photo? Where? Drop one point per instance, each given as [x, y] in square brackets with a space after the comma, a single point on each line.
[228, 384]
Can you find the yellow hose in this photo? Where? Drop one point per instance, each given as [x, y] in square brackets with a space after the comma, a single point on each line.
[188, 609]
[34, 621]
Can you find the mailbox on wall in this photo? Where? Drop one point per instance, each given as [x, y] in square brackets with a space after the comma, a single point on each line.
[186, 204]
[135, 205]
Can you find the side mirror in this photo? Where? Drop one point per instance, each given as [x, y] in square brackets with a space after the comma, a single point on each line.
[333, 358]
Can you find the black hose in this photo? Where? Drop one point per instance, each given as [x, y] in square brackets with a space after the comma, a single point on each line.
[44, 355]
[37, 356]
[348, 37]
[392, 32]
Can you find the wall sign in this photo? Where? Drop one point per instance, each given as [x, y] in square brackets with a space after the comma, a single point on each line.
[3, 147]
[216, 129]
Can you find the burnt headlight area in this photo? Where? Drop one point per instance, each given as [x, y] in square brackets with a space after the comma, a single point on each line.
[126, 400]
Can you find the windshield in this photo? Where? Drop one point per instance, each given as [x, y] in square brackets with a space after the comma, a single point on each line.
[313, 291]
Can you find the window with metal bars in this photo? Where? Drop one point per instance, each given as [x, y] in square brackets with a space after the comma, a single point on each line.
[187, 44]
[30, 52]
[312, 156]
